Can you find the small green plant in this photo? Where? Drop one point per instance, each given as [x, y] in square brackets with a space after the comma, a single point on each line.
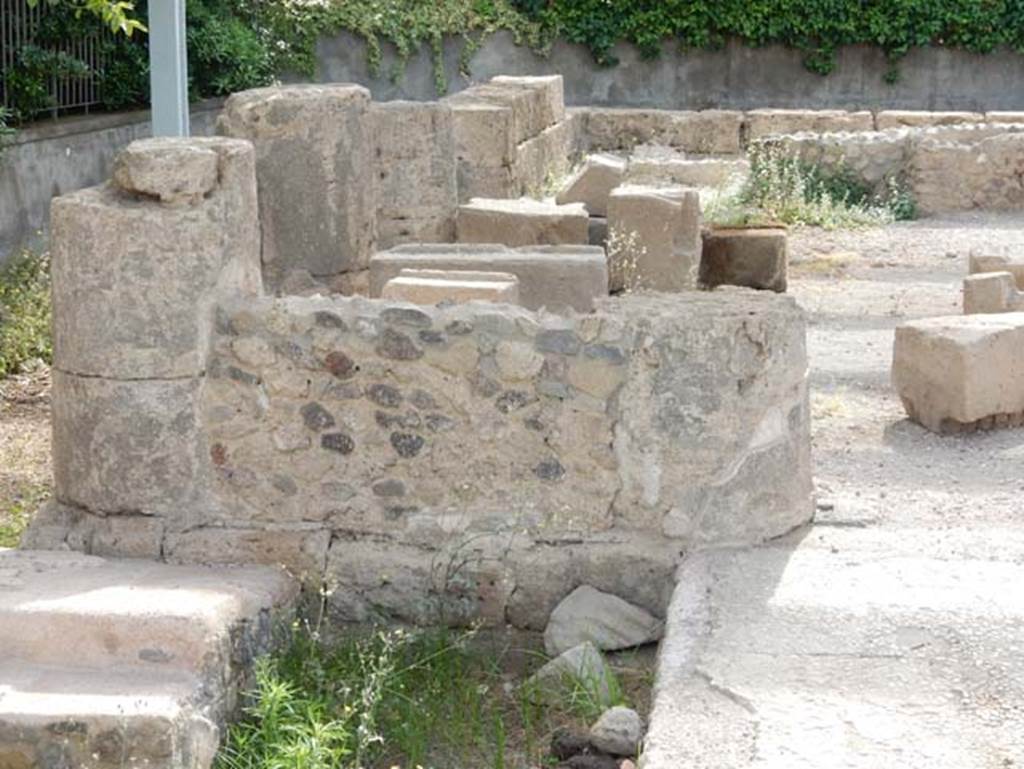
[783, 189]
[17, 509]
[25, 333]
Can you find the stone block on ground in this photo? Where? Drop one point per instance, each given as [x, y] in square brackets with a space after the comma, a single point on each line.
[603, 619]
[618, 732]
[435, 286]
[414, 150]
[593, 182]
[583, 664]
[315, 165]
[654, 239]
[990, 292]
[555, 277]
[979, 263]
[522, 222]
[769, 122]
[961, 373]
[752, 258]
[135, 280]
[652, 164]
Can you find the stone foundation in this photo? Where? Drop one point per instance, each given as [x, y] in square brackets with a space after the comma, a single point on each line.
[430, 463]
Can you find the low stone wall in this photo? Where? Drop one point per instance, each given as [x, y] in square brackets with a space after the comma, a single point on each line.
[945, 168]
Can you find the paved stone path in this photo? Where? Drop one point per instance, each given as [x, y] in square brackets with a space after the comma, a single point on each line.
[890, 634]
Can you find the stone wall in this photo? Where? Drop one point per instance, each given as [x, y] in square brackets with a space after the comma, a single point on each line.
[945, 168]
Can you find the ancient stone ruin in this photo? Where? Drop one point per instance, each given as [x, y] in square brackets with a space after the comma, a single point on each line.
[364, 342]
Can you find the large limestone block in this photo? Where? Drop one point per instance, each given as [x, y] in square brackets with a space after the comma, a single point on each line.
[980, 263]
[755, 258]
[992, 292]
[522, 222]
[138, 265]
[654, 238]
[593, 182]
[531, 105]
[651, 164]
[435, 286]
[768, 122]
[915, 119]
[556, 277]
[961, 372]
[314, 163]
[127, 446]
[707, 132]
[552, 88]
[415, 164]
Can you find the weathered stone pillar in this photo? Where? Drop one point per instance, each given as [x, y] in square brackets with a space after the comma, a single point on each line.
[138, 266]
[317, 181]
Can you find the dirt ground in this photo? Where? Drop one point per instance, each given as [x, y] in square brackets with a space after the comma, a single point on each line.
[25, 476]
[873, 467]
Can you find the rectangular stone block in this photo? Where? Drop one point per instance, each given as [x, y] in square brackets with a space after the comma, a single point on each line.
[914, 118]
[753, 258]
[138, 265]
[315, 166]
[436, 286]
[416, 171]
[522, 222]
[543, 159]
[768, 122]
[552, 88]
[992, 292]
[1015, 118]
[530, 105]
[654, 240]
[663, 165]
[593, 182]
[962, 372]
[559, 278]
[979, 263]
[705, 132]
[303, 552]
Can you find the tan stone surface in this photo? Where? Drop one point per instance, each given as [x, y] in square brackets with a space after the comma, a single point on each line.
[435, 286]
[916, 118]
[522, 222]
[980, 263]
[593, 182]
[654, 238]
[754, 258]
[315, 166]
[768, 122]
[992, 292]
[956, 371]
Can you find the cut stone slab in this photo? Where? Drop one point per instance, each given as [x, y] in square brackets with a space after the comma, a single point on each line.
[593, 182]
[435, 286]
[842, 648]
[990, 292]
[768, 122]
[128, 612]
[167, 168]
[654, 164]
[618, 731]
[580, 664]
[961, 373]
[916, 118]
[654, 238]
[979, 263]
[552, 88]
[753, 258]
[114, 663]
[603, 619]
[559, 278]
[522, 222]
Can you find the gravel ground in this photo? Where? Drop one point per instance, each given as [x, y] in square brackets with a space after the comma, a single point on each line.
[872, 466]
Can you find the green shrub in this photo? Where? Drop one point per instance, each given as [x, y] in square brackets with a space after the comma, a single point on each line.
[784, 190]
[25, 333]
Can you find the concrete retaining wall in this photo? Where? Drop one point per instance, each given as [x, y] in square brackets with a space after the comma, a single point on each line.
[735, 77]
[50, 159]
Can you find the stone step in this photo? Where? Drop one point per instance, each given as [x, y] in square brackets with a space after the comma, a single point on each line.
[131, 717]
[57, 607]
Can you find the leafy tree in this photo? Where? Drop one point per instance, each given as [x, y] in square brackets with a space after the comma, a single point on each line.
[116, 14]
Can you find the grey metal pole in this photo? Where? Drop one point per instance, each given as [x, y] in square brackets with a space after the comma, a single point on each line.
[168, 67]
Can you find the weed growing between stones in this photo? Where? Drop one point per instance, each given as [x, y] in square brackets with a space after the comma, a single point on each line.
[625, 252]
[430, 698]
[784, 190]
[25, 334]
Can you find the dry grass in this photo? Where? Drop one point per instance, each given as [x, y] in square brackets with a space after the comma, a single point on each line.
[26, 480]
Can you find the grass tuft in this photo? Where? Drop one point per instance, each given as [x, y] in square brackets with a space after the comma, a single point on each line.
[25, 333]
